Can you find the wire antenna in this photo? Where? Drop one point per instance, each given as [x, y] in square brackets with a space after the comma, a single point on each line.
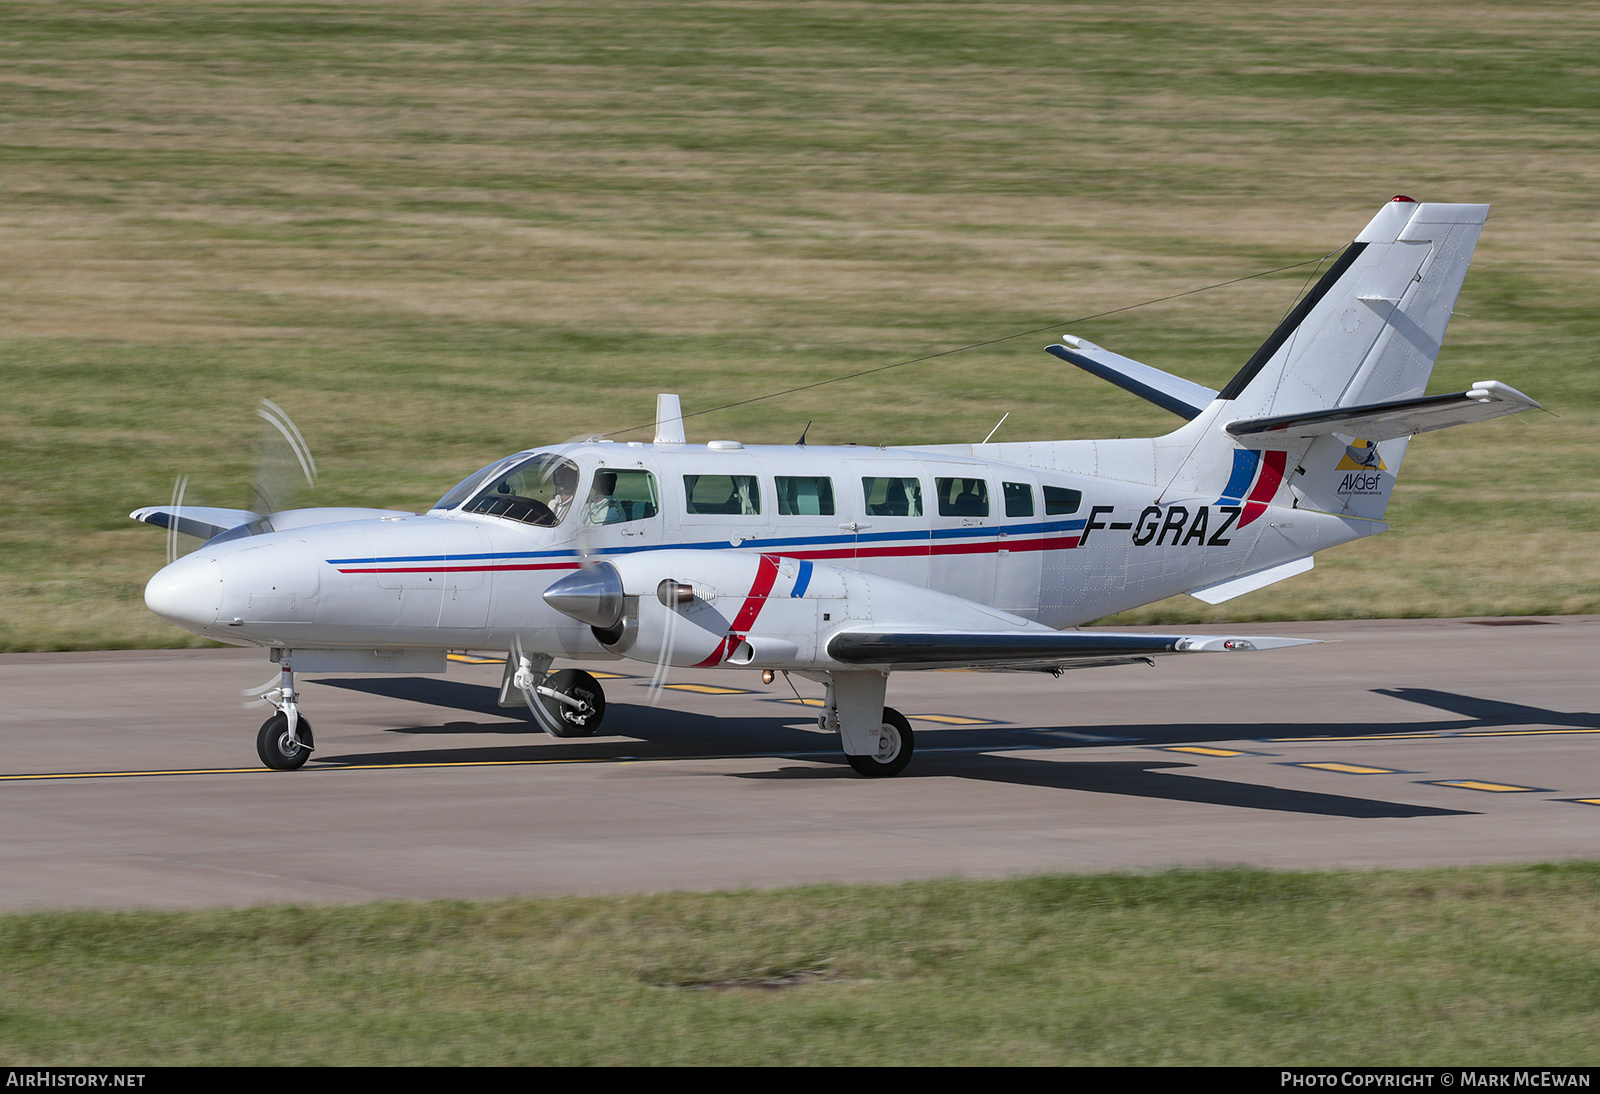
[990, 342]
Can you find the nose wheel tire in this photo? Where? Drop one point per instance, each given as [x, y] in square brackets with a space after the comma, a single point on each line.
[274, 748]
[578, 706]
[896, 742]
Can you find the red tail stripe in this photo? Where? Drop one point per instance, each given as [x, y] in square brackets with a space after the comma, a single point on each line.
[1266, 486]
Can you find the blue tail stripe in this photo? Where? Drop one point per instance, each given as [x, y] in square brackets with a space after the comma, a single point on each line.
[1245, 462]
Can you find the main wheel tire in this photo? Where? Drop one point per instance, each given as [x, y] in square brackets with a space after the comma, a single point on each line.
[272, 743]
[896, 742]
[568, 721]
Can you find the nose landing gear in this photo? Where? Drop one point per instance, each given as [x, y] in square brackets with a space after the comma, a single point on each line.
[284, 741]
[277, 749]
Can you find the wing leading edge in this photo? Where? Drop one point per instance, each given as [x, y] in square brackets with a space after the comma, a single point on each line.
[903, 649]
[1182, 397]
[208, 523]
[1385, 421]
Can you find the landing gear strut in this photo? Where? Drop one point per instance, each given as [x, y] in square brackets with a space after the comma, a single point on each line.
[569, 703]
[284, 741]
[877, 739]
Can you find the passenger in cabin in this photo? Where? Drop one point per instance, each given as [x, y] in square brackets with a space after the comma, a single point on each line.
[892, 497]
[973, 500]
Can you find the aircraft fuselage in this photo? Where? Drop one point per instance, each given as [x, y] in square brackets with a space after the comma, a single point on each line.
[1058, 548]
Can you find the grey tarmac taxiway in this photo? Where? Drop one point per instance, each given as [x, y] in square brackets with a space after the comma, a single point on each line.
[129, 779]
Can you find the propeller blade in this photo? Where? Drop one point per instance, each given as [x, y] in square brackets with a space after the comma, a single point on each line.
[277, 478]
[179, 486]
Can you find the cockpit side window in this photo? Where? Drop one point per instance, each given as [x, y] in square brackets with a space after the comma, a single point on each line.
[617, 497]
[536, 491]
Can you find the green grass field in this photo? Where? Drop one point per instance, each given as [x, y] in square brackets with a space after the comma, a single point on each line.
[438, 232]
[1488, 966]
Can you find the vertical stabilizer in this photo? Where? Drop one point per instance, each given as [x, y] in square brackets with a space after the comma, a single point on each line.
[1368, 332]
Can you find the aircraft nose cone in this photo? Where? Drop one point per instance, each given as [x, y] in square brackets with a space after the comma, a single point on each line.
[188, 593]
[593, 595]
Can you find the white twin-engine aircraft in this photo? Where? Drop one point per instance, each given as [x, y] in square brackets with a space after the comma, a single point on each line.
[843, 564]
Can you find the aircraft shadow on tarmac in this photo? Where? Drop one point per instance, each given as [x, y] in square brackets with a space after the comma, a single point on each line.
[1140, 779]
[665, 733]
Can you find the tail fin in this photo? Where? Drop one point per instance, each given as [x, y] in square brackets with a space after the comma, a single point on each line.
[1367, 334]
[1370, 330]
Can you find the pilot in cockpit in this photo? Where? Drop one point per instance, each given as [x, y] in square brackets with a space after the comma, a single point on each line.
[565, 481]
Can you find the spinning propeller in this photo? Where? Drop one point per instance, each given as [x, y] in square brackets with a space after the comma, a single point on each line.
[570, 702]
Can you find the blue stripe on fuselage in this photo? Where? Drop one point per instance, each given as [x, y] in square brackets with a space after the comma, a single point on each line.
[803, 580]
[766, 546]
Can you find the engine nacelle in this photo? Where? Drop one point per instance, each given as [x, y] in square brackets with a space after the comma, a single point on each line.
[705, 608]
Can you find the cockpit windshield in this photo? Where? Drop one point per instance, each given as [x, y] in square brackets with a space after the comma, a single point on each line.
[468, 486]
[532, 489]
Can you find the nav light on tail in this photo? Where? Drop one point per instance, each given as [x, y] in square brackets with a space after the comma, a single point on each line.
[842, 565]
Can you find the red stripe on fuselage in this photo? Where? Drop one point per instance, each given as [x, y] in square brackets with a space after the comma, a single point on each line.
[987, 547]
[754, 601]
[1062, 543]
[467, 569]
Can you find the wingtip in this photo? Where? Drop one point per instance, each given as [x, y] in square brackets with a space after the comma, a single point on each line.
[1222, 643]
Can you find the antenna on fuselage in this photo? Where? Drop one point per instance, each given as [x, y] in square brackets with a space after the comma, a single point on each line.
[802, 441]
[669, 421]
[997, 426]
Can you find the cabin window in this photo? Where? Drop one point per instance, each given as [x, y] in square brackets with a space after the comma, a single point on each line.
[1058, 501]
[962, 497]
[805, 496]
[1019, 499]
[537, 491]
[616, 497]
[725, 495]
[887, 497]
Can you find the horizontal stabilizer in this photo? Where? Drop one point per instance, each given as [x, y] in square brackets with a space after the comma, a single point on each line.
[1027, 649]
[1167, 391]
[1237, 586]
[1385, 421]
[194, 520]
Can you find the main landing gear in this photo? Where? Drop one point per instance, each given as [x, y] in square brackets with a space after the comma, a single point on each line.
[569, 703]
[573, 702]
[284, 742]
[877, 739]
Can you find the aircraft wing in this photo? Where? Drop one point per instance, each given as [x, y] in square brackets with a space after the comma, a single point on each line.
[194, 520]
[1167, 391]
[929, 649]
[208, 523]
[1385, 421]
